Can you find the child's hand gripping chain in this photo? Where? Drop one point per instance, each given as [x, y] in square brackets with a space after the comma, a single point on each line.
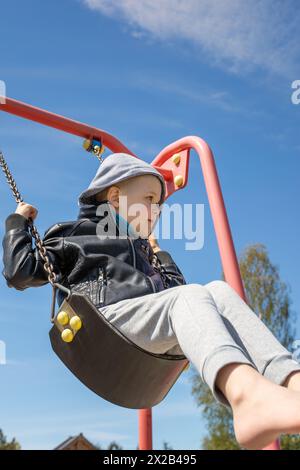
[27, 210]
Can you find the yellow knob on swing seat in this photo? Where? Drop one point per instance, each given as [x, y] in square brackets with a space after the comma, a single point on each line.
[63, 318]
[67, 335]
[76, 323]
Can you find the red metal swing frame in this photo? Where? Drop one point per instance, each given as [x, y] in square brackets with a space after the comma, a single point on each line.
[164, 163]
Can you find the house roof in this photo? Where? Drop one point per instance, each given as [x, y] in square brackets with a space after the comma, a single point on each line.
[74, 441]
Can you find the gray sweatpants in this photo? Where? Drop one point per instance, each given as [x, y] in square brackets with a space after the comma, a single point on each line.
[210, 324]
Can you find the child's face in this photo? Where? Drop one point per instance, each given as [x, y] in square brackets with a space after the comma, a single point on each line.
[145, 191]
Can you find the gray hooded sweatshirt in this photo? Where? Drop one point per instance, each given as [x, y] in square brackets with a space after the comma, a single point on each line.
[115, 168]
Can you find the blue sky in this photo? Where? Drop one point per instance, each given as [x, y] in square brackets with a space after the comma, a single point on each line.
[149, 73]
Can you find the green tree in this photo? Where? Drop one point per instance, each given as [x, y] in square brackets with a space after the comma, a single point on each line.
[269, 298]
[166, 446]
[5, 445]
[114, 446]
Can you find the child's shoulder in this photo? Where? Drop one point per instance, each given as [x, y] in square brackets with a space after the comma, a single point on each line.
[62, 229]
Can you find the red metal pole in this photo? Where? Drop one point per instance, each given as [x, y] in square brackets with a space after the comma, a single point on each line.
[64, 124]
[145, 429]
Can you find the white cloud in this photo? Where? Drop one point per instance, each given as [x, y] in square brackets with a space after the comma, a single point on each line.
[237, 34]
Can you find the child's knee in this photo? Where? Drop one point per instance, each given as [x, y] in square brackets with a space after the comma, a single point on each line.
[221, 291]
[194, 289]
[190, 287]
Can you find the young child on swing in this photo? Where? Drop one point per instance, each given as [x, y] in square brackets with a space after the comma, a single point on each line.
[138, 288]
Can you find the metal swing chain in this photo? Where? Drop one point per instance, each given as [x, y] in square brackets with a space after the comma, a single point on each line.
[47, 265]
[52, 277]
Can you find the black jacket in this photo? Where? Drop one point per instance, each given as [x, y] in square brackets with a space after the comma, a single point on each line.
[106, 270]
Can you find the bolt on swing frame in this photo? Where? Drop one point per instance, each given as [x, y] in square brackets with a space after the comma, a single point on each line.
[170, 170]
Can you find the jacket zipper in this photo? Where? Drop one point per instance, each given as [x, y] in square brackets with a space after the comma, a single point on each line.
[101, 290]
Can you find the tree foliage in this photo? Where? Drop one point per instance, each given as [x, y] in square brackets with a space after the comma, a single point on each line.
[6, 445]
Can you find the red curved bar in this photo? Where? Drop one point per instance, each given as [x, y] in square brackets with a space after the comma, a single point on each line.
[62, 123]
[217, 207]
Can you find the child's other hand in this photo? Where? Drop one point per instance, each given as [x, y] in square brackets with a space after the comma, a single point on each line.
[26, 210]
[154, 243]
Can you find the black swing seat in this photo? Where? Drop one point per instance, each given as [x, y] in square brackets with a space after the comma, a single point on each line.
[108, 363]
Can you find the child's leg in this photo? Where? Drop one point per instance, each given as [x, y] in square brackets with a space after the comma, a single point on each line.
[188, 314]
[184, 320]
[261, 409]
[271, 358]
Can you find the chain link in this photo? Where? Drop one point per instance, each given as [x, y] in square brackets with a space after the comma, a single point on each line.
[48, 267]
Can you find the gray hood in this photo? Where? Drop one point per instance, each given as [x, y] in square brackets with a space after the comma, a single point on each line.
[115, 168]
